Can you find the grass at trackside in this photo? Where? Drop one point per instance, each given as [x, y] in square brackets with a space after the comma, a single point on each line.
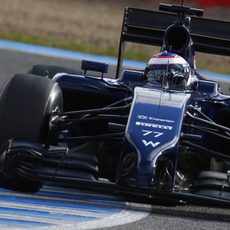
[71, 45]
[99, 50]
[47, 41]
[213, 64]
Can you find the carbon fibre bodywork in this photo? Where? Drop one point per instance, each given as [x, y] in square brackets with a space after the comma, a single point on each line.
[130, 135]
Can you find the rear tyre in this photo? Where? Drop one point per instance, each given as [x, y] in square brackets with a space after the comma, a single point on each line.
[25, 104]
[51, 70]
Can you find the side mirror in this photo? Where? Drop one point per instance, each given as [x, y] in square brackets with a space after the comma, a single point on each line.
[94, 66]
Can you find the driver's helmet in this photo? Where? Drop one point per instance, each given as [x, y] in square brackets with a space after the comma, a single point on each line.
[167, 68]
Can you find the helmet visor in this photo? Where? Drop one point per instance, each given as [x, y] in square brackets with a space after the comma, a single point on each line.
[156, 71]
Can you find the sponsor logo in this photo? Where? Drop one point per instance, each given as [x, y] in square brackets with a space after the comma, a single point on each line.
[152, 125]
[153, 144]
[160, 119]
[144, 117]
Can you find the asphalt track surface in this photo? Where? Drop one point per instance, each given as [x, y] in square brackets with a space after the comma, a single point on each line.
[150, 216]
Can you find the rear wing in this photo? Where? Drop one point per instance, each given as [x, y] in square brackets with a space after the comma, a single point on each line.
[147, 27]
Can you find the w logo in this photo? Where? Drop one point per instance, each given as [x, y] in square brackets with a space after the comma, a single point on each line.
[150, 143]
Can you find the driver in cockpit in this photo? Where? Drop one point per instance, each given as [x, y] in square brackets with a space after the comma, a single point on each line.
[168, 69]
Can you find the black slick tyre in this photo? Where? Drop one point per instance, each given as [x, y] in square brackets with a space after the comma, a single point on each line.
[25, 104]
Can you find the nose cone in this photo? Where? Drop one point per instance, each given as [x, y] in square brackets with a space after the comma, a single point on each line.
[154, 127]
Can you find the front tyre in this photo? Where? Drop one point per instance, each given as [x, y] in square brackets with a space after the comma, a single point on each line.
[26, 102]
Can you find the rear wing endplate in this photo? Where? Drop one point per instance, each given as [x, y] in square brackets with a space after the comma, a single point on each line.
[147, 27]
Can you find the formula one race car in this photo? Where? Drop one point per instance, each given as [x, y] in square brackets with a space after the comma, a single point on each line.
[162, 133]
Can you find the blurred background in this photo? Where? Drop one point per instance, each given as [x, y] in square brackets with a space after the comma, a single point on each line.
[93, 26]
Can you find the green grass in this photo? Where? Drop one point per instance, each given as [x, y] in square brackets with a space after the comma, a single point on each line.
[213, 63]
[99, 50]
[51, 42]
[214, 68]
[69, 45]
[72, 45]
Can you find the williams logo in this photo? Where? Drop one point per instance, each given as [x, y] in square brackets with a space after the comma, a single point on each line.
[153, 144]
